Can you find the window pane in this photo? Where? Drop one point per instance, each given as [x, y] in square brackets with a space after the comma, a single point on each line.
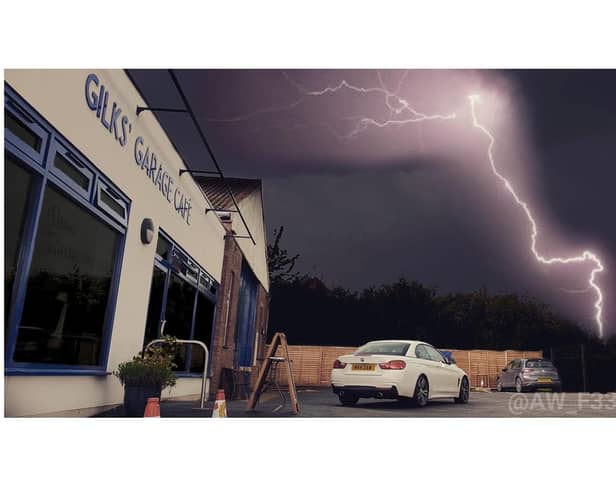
[110, 202]
[420, 352]
[68, 286]
[203, 331]
[434, 354]
[163, 247]
[155, 305]
[22, 131]
[17, 183]
[71, 170]
[392, 348]
[179, 311]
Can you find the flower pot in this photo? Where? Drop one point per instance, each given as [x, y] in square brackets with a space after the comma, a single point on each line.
[136, 397]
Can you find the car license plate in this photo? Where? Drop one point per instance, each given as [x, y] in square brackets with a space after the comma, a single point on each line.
[363, 366]
[544, 380]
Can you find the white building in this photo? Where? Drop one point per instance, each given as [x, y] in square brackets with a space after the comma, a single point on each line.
[86, 283]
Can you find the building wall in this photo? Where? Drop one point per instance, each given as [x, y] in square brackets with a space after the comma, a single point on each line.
[59, 96]
[255, 255]
[226, 317]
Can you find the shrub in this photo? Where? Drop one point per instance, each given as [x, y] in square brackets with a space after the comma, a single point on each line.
[153, 366]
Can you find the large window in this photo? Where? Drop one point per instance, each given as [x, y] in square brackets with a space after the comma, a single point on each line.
[68, 286]
[62, 249]
[182, 301]
[16, 197]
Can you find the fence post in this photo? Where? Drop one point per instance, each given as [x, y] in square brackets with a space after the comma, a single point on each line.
[583, 367]
[322, 349]
[470, 367]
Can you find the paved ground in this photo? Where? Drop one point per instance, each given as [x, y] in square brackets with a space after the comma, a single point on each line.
[321, 402]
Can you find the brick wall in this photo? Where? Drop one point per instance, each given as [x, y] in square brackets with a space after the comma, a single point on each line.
[223, 346]
[223, 342]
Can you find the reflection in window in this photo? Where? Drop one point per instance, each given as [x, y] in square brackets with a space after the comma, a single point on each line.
[188, 311]
[113, 204]
[17, 183]
[71, 170]
[152, 325]
[163, 247]
[202, 332]
[68, 286]
[179, 312]
[22, 131]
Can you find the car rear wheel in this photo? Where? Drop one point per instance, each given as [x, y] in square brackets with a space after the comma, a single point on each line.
[420, 397]
[348, 399]
[518, 385]
[464, 392]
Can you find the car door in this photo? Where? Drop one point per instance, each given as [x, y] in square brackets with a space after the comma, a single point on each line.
[505, 374]
[447, 376]
[509, 375]
[517, 370]
[431, 369]
[452, 375]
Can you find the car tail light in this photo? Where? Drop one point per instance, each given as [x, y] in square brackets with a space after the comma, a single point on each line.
[338, 365]
[396, 364]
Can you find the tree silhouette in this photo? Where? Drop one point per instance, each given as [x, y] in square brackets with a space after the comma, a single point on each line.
[279, 263]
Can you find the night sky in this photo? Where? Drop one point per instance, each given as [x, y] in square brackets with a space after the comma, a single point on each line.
[419, 200]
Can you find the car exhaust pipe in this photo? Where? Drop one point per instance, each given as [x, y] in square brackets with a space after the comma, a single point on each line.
[379, 395]
[341, 393]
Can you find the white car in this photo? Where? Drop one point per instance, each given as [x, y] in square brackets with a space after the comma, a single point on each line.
[398, 370]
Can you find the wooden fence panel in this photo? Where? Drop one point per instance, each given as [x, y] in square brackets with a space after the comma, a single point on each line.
[312, 365]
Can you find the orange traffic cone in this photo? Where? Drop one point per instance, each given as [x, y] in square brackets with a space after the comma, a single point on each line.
[220, 406]
[152, 408]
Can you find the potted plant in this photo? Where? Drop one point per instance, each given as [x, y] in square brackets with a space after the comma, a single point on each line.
[147, 374]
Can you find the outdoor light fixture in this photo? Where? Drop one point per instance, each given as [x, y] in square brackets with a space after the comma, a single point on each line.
[147, 231]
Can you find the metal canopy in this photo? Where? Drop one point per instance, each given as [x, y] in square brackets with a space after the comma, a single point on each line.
[151, 92]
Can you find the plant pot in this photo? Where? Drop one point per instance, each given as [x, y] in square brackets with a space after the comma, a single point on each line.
[136, 397]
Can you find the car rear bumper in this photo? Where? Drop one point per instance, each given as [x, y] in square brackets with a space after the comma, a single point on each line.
[366, 391]
[554, 385]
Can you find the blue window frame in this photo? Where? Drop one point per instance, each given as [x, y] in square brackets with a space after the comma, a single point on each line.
[24, 130]
[59, 191]
[108, 199]
[183, 296]
[69, 168]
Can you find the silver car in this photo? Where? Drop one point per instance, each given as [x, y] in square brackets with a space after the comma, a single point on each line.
[529, 374]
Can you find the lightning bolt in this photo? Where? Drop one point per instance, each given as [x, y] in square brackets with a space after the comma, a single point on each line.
[396, 105]
[402, 113]
[586, 256]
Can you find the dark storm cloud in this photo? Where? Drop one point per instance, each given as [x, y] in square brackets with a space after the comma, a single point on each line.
[419, 200]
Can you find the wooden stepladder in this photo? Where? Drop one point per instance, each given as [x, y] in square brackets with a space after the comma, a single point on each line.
[280, 339]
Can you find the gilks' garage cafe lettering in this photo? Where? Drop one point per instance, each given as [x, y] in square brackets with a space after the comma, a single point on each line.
[109, 113]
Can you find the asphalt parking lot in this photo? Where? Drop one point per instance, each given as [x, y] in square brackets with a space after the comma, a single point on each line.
[322, 403]
[316, 403]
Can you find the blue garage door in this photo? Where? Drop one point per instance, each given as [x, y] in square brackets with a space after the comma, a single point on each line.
[246, 314]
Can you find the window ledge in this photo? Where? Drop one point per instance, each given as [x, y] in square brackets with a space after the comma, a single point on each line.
[188, 375]
[8, 372]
